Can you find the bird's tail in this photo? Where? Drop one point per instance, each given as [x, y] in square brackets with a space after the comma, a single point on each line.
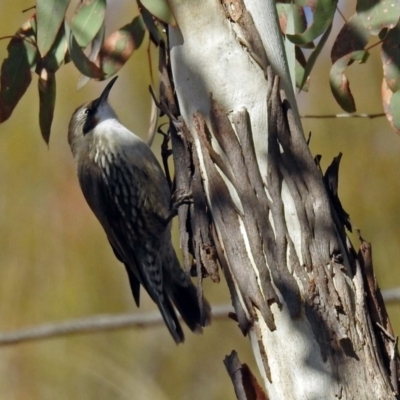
[194, 309]
[171, 320]
[195, 312]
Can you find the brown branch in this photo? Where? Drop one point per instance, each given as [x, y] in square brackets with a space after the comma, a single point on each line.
[98, 323]
[109, 322]
[343, 115]
[391, 295]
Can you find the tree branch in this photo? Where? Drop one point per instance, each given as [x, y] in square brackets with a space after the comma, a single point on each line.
[343, 115]
[391, 295]
[110, 322]
[98, 323]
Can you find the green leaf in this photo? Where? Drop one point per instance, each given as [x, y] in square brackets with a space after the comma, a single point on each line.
[160, 9]
[395, 110]
[16, 68]
[152, 28]
[299, 69]
[120, 45]
[298, 17]
[56, 56]
[390, 55]
[50, 15]
[79, 58]
[322, 18]
[29, 32]
[339, 83]
[387, 106]
[96, 44]
[47, 99]
[88, 19]
[313, 57]
[305, 3]
[352, 37]
[377, 15]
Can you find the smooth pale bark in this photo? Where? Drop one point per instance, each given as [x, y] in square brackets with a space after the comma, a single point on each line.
[296, 283]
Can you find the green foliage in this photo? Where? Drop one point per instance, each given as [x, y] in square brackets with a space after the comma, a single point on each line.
[47, 100]
[395, 105]
[373, 19]
[79, 58]
[390, 56]
[323, 13]
[49, 39]
[16, 68]
[88, 19]
[50, 15]
[339, 83]
[160, 9]
[119, 46]
[377, 15]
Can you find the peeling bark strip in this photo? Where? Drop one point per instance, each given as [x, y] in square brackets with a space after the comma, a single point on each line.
[226, 216]
[244, 382]
[276, 249]
[247, 32]
[205, 249]
[331, 179]
[194, 219]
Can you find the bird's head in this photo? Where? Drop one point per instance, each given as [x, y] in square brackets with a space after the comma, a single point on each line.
[86, 117]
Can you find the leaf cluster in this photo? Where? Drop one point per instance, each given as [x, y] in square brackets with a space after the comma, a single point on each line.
[49, 40]
[307, 24]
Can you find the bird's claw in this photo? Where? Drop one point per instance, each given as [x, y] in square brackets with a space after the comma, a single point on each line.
[179, 198]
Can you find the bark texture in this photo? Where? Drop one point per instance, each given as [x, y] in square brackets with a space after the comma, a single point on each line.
[264, 210]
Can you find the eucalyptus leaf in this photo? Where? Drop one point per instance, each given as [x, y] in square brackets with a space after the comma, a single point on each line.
[395, 109]
[322, 18]
[160, 9]
[377, 15]
[87, 21]
[120, 45]
[50, 15]
[47, 99]
[16, 69]
[339, 83]
[79, 58]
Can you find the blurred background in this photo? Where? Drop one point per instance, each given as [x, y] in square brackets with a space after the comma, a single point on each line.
[56, 264]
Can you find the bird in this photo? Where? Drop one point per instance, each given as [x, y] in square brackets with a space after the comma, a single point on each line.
[125, 187]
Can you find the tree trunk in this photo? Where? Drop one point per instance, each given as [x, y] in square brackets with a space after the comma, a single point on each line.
[262, 208]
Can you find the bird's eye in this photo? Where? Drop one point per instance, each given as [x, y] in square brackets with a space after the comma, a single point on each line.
[87, 110]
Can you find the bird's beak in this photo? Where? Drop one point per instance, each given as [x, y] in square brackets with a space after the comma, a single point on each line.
[104, 95]
[92, 118]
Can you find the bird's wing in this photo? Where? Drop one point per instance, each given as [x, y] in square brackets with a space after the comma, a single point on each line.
[133, 281]
[98, 196]
[131, 224]
[155, 196]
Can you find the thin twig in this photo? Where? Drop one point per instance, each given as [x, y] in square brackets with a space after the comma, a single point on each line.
[98, 323]
[344, 115]
[342, 15]
[391, 295]
[28, 9]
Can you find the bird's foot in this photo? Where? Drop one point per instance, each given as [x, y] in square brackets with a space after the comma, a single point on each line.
[179, 198]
